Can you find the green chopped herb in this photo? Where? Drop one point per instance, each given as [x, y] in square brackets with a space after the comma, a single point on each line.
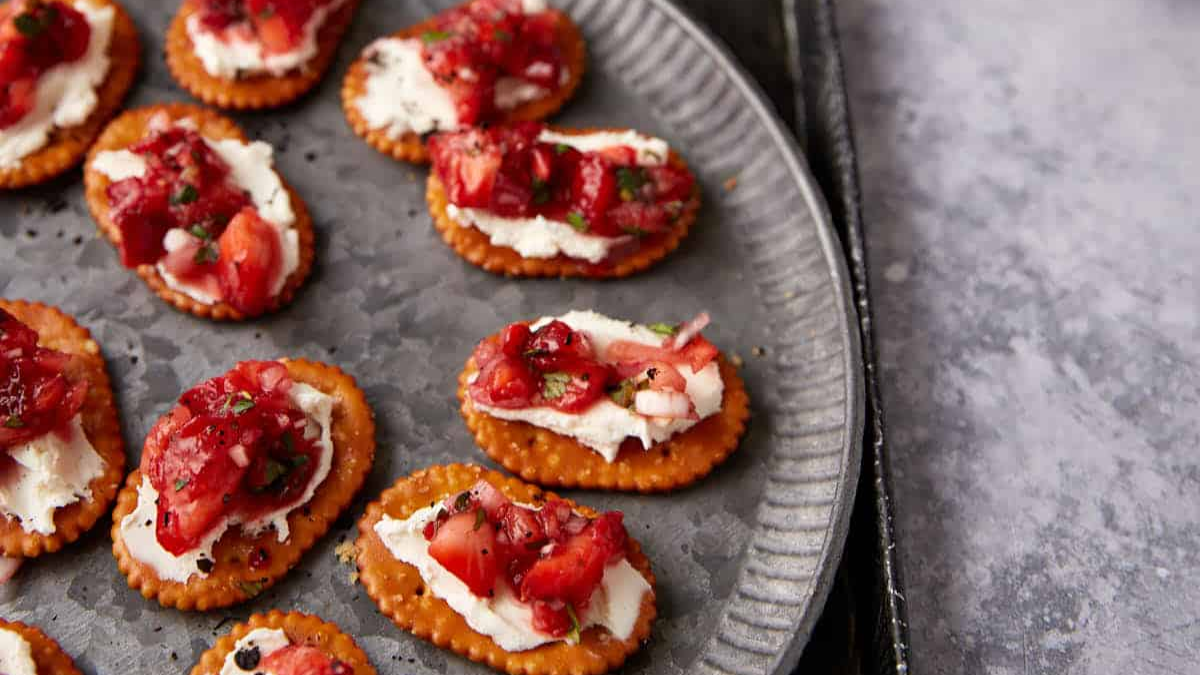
[298, 461]
[480, 518]
[29, 25]
[623, 395]
[629, 181]
[541, 191]
[186, 195]
[199, 232]
[251, 588]
[243, 404]
[431, 36]
[561, 149]
[663, 329]
[181, 483]
[462, 502]
[206, 254]
[503, 35]
[273, 471]
[14, 422]
[555, 384]
[289, 444]
[573, 635]
[266, 12]
[577, 221]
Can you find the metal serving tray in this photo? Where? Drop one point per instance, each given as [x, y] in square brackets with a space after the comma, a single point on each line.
[744, 559]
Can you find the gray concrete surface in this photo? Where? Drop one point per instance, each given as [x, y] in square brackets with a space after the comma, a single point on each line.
[1031, 172]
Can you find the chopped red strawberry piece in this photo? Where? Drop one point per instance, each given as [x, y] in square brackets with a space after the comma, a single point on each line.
[466, 546]
[558, 367]
[514, 339]
[505, 383]
[470, 47]
[573, 569]
[35, 395]
[698, 353]
[553, 618]
[233, 446]
[250, 260]
[506, 170]
[185, 186]
[278, 25]
[552, 557]
[556, 343]
[301, 660]
[574, 386]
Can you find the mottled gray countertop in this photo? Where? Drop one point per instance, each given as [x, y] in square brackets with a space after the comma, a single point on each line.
[1031, 172]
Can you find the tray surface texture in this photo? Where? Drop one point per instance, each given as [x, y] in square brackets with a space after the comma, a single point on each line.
[744, 559]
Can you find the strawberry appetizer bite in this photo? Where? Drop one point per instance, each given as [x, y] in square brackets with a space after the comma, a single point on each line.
[64, 69]
[61, 453]
[527, 200]
[253, 54]
[199, 212]
[483, 62]
[26, 650]
[583, 400]
[284, 644]
[239, 479]
[506, 574]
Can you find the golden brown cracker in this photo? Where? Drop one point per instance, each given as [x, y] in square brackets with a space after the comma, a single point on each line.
[231, 580]
[301, 629]
[401, 594]
[410, 147]
[476, 247]
[60, 332]
[544, 457]
[68, 145]
[254, 92]
[48, 657]
[129, 128]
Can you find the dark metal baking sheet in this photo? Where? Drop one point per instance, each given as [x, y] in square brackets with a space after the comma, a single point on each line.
[744, 560]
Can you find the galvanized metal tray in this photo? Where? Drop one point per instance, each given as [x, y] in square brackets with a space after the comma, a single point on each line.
[744, 559]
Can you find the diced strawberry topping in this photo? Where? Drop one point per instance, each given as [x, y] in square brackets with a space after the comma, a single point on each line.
[301, 660]
[186, 185]
[558, 367]
[35, 36]
[234, 446]
[278, 25]
[470, 47]
[575, 566]
[552, 557]
[250, 260]
[698, 353]
[554, 366]
[35, 396]
[507, 171]
[466, 545]
[223, 247]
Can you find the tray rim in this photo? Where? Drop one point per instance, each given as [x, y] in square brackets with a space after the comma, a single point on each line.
[852, 447]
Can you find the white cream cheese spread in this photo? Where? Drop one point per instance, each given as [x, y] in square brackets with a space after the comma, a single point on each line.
[236, 53]
[615, 605]
[266, 640]
[251, 168]
[48, 473]
[138, 529]
[16, 656]
[605, 425]
[66, 94]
